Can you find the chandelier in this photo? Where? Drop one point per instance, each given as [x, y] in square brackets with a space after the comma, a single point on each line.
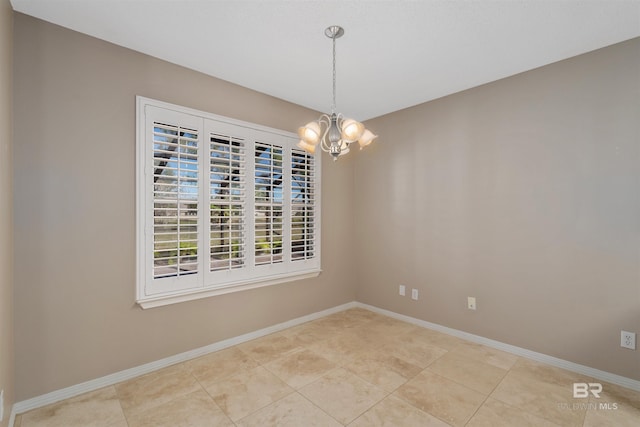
[333, 132]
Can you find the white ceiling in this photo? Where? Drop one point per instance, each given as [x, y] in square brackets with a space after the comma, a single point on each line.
[394, 54]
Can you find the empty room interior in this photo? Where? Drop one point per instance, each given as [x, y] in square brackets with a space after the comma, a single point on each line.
[319, 213]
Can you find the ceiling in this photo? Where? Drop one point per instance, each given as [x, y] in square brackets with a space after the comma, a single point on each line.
[394, 54]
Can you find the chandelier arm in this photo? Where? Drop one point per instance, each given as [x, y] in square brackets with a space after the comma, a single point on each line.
[325, 121]
[323, 141]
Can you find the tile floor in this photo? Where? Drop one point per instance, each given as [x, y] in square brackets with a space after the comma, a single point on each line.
[354, 368]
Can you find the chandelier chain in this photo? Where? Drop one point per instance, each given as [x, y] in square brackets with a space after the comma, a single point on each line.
[333, 106]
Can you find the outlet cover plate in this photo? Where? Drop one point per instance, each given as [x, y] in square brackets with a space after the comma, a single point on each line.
[471, 303]
[402, 290]
[414, 294]
[628, 340]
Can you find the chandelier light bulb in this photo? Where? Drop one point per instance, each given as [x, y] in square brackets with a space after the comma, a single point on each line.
[352, 130]
[310, 133]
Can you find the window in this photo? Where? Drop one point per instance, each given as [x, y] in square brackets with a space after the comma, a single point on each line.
[222, 205]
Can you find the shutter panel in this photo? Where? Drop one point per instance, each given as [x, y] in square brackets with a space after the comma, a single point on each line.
[175, 200]
[303, 206]
[268, 203]
[227, 202]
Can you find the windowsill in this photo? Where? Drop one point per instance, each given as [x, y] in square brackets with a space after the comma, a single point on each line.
[174, 298]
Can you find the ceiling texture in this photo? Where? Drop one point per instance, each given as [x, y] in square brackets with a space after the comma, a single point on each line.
[394, 54]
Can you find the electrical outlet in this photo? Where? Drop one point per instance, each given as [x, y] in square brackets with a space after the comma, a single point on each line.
[402, 290]
[628, 340]
[414, 294]
[471, 303]
[1, 405]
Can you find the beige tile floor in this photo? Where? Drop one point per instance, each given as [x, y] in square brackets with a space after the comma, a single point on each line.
[354, 368]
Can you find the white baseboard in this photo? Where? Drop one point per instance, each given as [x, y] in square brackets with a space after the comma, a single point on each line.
[127, 374]
[518, 351]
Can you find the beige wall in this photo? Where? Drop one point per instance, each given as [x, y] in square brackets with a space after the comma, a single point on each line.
[524, 193]
[74, 213]
[6, 257]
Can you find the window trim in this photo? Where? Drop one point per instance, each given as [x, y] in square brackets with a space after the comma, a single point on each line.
[150, 300]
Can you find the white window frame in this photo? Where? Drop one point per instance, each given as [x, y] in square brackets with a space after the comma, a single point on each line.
[154, 292]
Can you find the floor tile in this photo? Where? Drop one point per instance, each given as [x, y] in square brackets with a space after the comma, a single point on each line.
[390, 326]
[618, 417]
[266, 349]
[441, 397]
[349, 318]
[300, 367]
[494, 413]
[371, 336]
[245, 393]
[338, 322]
[362, 313]
[384, 371]
[99, 408]
[340, 349]
[616, 406]
[290, 411]
[395, 412]
[481, 353]
[616, 394]
[478, 376]
[222, 364]
[307, 333]
[414, 350]
[438, 339]
[343, 395]
[192, 410]
[547, 373]
[551, 401]
[154, 389]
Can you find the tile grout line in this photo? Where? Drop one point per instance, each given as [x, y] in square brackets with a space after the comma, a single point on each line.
[487, 397]
[209, 394]
[314, 404]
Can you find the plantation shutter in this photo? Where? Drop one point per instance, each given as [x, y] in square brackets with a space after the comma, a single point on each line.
[303, 206]
[227, 202]
[222, 205]
[268, 203]
[173, 175]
